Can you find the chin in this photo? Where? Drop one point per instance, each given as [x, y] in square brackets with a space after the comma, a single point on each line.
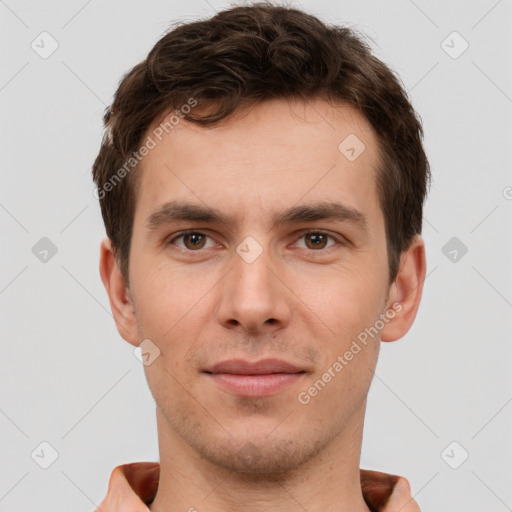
[251, 455]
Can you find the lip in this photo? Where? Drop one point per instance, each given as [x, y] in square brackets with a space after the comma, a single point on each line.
[263, 367]
[254, 379]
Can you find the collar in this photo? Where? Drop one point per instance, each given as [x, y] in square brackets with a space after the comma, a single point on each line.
[133, 486]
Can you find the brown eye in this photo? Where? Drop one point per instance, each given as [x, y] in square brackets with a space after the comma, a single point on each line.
[316, 240]
[194, 241]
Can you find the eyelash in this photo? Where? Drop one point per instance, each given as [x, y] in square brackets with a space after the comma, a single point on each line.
[339, 240]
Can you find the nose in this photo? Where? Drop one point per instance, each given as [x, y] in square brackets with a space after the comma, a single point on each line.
[254, 297]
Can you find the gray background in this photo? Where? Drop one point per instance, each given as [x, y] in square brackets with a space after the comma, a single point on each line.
[70, 380]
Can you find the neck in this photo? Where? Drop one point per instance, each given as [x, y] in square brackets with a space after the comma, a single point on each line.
[328, 481]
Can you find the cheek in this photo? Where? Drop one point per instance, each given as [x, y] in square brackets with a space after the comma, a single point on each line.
[172, 375]
[164, 298]
[166, 315]
[352, 376]
[346, 301]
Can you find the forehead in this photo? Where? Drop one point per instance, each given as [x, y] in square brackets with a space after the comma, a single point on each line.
[276, 152]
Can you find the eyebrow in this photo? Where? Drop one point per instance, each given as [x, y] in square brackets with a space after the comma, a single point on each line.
[176, 211]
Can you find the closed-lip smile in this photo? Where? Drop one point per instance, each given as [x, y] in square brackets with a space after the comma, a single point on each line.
[263, 367]
[254, 379]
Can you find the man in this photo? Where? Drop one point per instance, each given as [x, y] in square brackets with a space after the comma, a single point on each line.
[261, 180]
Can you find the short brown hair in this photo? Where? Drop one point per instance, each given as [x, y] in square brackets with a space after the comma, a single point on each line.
[248, 54]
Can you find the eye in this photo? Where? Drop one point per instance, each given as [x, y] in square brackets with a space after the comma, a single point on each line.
[192, 240]
[318, 240]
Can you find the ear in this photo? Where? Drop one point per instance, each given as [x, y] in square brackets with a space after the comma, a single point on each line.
[405, 292]
[118, 294]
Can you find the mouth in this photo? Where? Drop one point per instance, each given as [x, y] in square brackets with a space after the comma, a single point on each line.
[254, 379]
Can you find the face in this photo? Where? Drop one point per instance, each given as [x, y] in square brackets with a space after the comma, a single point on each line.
[261, 238]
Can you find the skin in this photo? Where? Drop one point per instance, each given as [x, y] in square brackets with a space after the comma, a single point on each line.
[202, 306]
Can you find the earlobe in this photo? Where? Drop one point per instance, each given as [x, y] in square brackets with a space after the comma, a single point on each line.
[406, 291]
[118, 293]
